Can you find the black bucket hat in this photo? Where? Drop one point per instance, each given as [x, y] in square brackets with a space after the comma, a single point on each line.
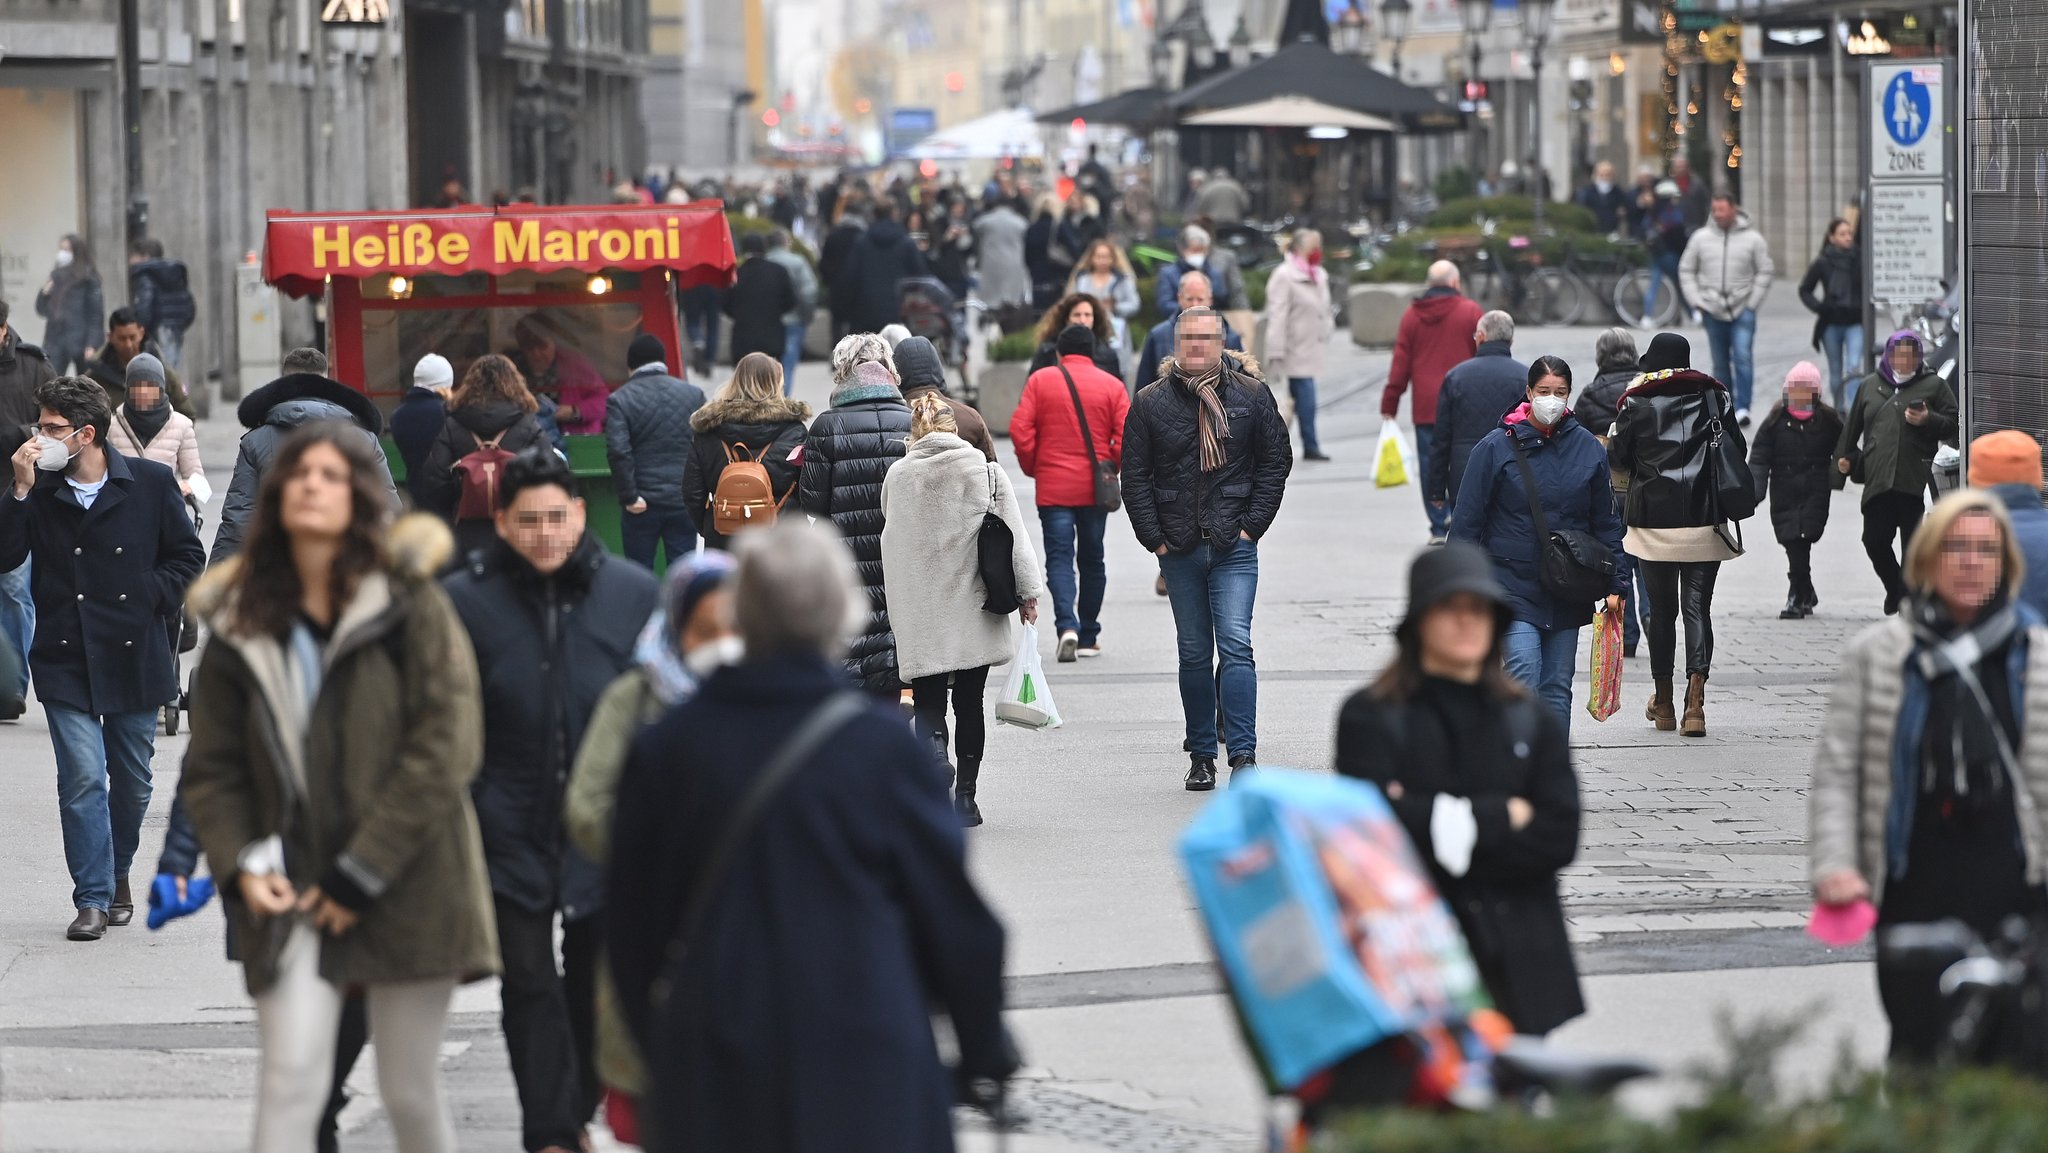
[1443, 572]
[1667, 350]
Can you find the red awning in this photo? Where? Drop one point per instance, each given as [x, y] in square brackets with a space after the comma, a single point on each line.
[301, 250]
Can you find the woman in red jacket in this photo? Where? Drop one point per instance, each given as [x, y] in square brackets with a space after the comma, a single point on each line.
[1053, 449]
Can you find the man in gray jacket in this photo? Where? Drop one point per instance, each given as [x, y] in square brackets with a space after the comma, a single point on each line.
[1726, 273]
[647, 437]
[797, 319]
[999, 248]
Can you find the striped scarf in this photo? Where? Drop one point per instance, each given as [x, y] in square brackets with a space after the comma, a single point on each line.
[1213, 424]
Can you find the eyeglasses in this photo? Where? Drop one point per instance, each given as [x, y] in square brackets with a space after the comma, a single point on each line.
[57, 431]
[1980, 549]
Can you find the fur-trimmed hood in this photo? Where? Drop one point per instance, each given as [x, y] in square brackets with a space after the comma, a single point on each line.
[743, 410]
[416, 549]
[255, 409]
[1242, 363]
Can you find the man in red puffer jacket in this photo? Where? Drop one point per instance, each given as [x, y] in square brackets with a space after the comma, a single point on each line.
[1435, 337]
[1051, 449]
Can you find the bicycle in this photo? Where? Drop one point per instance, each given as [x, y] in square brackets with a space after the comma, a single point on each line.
[1986, 985]
[1648, 298]
[1512, 275]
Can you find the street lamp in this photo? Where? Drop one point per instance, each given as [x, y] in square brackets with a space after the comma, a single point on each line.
[1240, 44]
[1350, 32]
[1394, 18]
[1536, 16]
[1478, 15]
[1162, 63]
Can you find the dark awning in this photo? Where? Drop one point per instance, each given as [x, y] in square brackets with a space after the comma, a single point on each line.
[1134, 108]
[1311, 70]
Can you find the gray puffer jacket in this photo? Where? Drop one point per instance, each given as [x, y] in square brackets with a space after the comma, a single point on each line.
[270, 414]
[1726, 271]
[647, 436]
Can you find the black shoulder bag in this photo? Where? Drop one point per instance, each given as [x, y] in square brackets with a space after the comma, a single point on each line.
[1109, 495]
[827, 719]
[1573, 565]
[994, 556]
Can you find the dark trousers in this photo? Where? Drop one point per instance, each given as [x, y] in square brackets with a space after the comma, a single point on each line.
[348, 1045]
[1680, 591]
[1885, 516]
[1635, 603]
[970, 734]
[1799, 568]
[700, 320]
[550, 1022]
[641, 533]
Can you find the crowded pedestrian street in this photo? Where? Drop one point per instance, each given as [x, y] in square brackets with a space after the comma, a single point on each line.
[1687, 898]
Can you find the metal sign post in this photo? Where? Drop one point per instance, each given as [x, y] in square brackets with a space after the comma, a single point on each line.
[1906, 213]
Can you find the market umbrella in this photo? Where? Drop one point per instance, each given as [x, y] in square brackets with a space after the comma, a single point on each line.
[1289, 112]
[1308, 69]
[1133, 108]
[1009, 133]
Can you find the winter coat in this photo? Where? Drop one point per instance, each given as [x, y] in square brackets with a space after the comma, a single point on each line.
[1833, 288]
[1104, 358]
[271, 414]
[647, 436]
[834, 257]
[74, 311]
[801, 1023]
[114, 379]
[415, 424]
[1599, 403]
[439, 490]
[1609, 208]
[175, 445]
[1121, 299]
[1222, 200]
[1168, 497]
[1726, 272]
[772, 430]
[1047, 434]
[1507, 901]
[757, 301]
[1572, 481]
[999, 255]
[1660, 446]
[1298, 323]
[1159, 346]
[1049, 269]
[1226, 283]
[1871, 739]
[801, 278]
[160, 294]
[1791, 460]
[23, 368]
[2030, 530]
[548, 647]
[917, 363]
[881, 259]
[934, 500]
[372, 787]
[1435, 337]
[847, 452]
[1889, 454]
[103, 582]
[1474, 396]
[574, 382]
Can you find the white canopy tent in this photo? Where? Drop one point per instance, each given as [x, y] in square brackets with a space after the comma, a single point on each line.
[1289, 112]
[1009, 133]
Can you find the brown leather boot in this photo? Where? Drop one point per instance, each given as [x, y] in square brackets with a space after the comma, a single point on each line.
[1660, 712]
[1695, 722]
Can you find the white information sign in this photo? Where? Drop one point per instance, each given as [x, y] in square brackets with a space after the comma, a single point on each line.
[1907, 136]
[1906, 230]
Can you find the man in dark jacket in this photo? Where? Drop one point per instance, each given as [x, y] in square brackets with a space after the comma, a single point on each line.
[301, 396]
[1193, 292]
[758, 300]
[23, 369]
[1206, 458]
[1226, 283]
[1474, 396]
[1435, 337]
[1606, 200]
[159, 291]
[125, 338]
[835, 256]
[647, 438]
[420, 414]
[917, 362]
[883, 257]
[553, 619]
[114, 549]
[1902, 414]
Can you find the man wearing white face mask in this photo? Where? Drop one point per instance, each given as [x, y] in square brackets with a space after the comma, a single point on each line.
[1542, 473]
[113, 550]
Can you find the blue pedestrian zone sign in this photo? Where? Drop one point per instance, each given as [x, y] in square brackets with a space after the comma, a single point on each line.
[1908, 109]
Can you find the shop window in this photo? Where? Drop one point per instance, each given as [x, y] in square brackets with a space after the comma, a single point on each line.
[552, 346]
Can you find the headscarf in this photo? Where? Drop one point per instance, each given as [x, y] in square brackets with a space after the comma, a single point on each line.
[689, 580]
[1884, 363]
[1211, 421]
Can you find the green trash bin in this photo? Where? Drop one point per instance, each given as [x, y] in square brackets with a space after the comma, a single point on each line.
[593, 472]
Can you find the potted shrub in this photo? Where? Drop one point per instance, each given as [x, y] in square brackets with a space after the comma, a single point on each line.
[1001, 384]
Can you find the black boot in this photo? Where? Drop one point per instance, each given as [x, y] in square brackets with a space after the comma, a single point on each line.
[963, 792]
[1793, 608]
[1809, 597]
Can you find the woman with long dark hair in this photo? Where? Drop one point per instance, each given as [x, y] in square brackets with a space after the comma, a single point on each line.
[490, 407]
[1833, 291]
[336, 724]
[73, 308]
[1088, 312]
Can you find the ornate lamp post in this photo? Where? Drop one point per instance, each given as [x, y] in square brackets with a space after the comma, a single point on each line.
[1394, 18]
[1240, 44]
[1536, 16]
[1478, 16]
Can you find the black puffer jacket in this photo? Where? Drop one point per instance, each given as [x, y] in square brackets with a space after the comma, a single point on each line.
[1171, 501]
[274, 412]
[1600, 403]
[547, 647]
[1790, 459]
[847, 453]
[771, 430]
[647, 436]
[440, 490]
[882, 258]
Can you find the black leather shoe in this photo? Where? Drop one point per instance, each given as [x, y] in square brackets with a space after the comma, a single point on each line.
[122, 910]
[1243, 763]
[1201, 774]
[89, 925]
[1793, 609]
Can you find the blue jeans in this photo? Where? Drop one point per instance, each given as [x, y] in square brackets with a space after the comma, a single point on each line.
[18, 619]
[1303, 389]
[102, 794]
[170, 342]
[792, 352]
[1544, 660]
[1733, 342]
[639, 533]
[1069, 531]
[1635, 606]
[1844, 345]
[1212, 593]
[1439, 518]
[700, 320]
[1666, 265]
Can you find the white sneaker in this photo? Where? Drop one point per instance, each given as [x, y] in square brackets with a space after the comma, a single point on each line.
[1070, 642]
[1742, 417]
[1087, 652]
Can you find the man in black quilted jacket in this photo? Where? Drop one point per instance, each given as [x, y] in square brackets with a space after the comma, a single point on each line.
[1206, 458]
[647, 438]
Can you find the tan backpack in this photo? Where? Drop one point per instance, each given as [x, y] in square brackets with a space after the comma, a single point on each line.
[745, 497]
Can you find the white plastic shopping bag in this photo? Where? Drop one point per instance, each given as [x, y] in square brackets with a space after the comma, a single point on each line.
[1393, 458]
[1026, 701]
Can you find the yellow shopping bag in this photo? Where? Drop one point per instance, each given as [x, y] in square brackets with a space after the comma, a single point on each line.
[1390, 466]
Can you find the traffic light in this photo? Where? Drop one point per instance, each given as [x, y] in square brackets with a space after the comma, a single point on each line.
[1475, 92]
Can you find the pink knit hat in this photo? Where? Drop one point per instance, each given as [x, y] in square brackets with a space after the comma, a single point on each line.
[1805, 372]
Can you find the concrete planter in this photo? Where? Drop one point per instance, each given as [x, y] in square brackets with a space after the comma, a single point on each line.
[1376, 311]
[1002, 388]
[818, 337]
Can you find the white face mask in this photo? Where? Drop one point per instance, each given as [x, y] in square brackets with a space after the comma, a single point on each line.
[63, 258]
[1547, 410]
[711, 656]
[53, 454]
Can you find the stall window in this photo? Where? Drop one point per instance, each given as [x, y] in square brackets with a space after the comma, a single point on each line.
[577, 342]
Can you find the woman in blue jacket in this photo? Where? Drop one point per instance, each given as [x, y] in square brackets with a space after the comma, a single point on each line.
[1569, 466]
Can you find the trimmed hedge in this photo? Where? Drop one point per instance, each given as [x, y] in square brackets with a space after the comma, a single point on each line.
[1513, 210]
[1014, 346]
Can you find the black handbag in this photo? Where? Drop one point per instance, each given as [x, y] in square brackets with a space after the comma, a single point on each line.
[1734, 486]
[1109, 493]
[1573, 565]
[995, 547]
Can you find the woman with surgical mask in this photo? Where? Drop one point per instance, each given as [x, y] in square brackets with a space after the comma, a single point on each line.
[73, 308]
[1540, 442]
[690, 637]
